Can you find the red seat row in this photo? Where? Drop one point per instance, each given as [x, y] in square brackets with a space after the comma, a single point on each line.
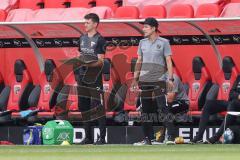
[54, 10]
[37, 4]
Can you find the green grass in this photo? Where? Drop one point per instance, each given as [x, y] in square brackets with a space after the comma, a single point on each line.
[121, 152]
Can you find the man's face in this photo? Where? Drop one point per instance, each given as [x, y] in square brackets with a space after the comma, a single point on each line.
[90, 25]
[148, 30]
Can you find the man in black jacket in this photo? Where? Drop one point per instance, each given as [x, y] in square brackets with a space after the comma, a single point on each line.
[215, 106]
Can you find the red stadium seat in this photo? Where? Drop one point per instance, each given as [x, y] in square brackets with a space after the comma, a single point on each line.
[55, 3]
[127, 12]
[72, 14]
[48, 14]
[208, 10]
[226, 77]
[16, 93]
[224, 81]
[155, 11]
[181, 11]
[2, 15]
[199, 83]
[231, 10]
[44, 95]
[30, 4]
[68, 97]
[81, 3]
[20, 15]
[8, 5]
[102, 12]
[114, 4]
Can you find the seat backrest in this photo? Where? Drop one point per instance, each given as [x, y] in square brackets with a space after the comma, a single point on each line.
[20, 15]
[55, 3]
[3, 15]
[102, 12]
[113, 4]
[50, 82]
[68, 96]
[30, 4]
[226, 77]
[49, 14]
[127, 12]
[181, 11]
[81, 3]
[21, 85]
[128, 95]
[208, 10]
[231, 10]
[74, 14]
[155, 11]
[199, 83]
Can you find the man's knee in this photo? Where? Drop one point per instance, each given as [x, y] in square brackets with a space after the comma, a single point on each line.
[234, 105]
[208, 106]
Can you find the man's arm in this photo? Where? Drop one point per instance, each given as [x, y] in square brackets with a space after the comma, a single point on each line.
[171, 95]
[169, 67]
[99, 63]
[137, 68]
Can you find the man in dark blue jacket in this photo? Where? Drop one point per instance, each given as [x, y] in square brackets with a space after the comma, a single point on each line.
[215, 106]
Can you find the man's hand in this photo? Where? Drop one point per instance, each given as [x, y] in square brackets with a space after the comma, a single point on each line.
[134, 85]
[170, 86]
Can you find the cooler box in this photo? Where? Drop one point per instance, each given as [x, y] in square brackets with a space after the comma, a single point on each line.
[56, 131]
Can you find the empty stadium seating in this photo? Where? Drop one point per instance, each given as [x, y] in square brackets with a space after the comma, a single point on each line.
[113, 4]
[82, 3]
[107, 8]
[44, 95]
[73, 14]
[102, 11]
[231, 10]
[19, 15]
[156, 11]
[15, 94]
[8, 5]
[2, 15]
[30, 4]
[208, 10]
[55, 3]
[127, 12]
[181, 11]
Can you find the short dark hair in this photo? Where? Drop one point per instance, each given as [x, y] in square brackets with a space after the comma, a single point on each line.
[151, 22]
[94, 17]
